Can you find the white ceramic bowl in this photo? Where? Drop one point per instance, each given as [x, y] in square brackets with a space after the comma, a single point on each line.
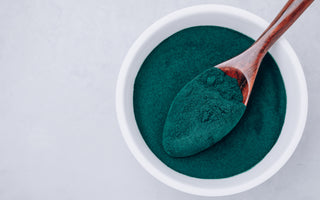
[248, 24]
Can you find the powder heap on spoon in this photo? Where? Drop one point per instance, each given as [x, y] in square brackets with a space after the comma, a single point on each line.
[210, 103]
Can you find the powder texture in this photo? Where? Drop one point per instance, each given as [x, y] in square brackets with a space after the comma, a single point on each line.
[179, 59]
[202, 113]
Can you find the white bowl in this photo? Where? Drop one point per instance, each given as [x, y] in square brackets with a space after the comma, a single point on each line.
[248, 24]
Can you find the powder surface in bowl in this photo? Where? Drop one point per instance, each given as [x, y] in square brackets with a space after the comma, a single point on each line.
[175, 62]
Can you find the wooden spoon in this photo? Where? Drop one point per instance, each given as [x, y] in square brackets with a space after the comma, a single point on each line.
[192, 127]
[245, 66]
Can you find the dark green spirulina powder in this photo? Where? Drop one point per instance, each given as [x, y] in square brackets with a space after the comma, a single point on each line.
[175, 62]
[203, 112]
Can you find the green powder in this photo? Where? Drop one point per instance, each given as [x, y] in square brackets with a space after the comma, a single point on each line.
[178, 60]
[202, 113]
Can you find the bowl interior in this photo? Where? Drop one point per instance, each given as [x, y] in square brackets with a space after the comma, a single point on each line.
[248, 24]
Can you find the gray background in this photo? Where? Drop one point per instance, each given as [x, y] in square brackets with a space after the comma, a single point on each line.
[59, 137]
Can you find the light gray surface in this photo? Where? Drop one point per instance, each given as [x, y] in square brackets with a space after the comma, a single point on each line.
[59, 138]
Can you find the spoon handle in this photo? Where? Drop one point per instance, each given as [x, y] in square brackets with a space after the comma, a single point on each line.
[287, 16]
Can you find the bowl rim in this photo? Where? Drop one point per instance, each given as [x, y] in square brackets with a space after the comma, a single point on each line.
[170, 177]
